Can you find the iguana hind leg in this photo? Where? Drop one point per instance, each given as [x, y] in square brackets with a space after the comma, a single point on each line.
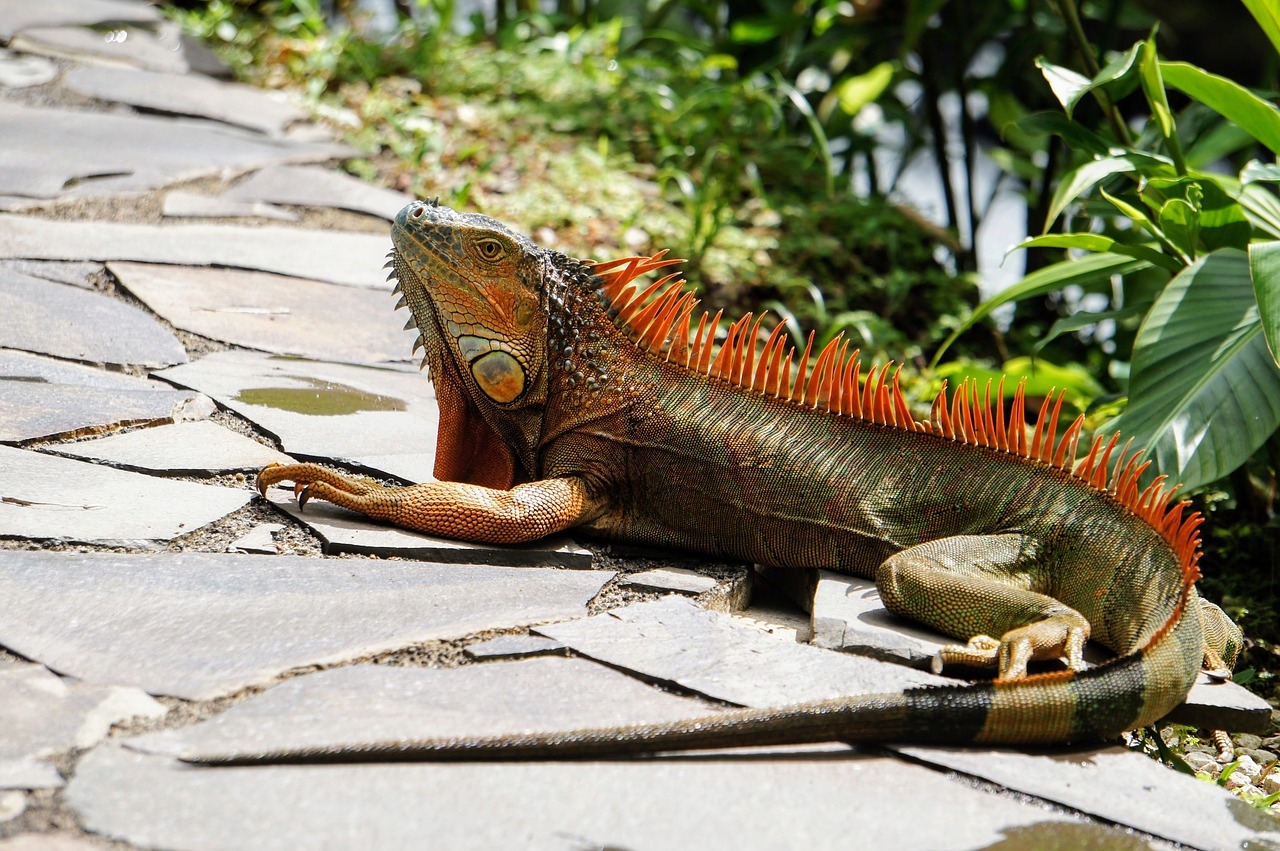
[976, 586]
[453, 509]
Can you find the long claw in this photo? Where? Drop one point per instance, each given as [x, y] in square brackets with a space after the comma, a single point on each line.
[303, 493]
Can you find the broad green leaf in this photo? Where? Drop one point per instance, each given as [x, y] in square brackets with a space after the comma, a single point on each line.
[1082, 180]
[1262, 207]
[1220, 142]
[1046, 280]
[1180, 222]
[1255, 171]
[856, 92]
[1138, 217]
[1067, 86]
[1117, 79]
[1264, 272]
[1229, 99]
[1153, 88]
[1077, 136]
[1267, 14]
[1098, 243]
[1084, 319]
[1204, 392]
[1223, 223]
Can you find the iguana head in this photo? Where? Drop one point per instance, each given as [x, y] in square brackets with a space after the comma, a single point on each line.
[473, 287]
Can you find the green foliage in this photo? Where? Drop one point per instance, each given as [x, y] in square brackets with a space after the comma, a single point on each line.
[1169, 239]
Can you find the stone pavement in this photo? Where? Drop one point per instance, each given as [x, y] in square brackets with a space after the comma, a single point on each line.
[190, 289]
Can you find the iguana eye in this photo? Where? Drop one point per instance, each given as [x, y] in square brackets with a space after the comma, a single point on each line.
[490, 250]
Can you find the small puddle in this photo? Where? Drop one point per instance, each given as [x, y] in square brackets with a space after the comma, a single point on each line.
[319, 398]
[1066, 836]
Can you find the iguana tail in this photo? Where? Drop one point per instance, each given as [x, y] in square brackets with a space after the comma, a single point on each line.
[1127, 692]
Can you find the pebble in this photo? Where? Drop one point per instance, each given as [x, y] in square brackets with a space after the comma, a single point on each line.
[1245, 765]
[1271, 784]
[1260, 756]
[1248, 741]
[1271, 742]
[1200, 761]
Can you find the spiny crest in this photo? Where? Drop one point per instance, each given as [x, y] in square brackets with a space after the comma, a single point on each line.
[660, 319]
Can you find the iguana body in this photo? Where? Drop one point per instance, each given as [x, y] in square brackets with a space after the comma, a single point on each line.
[569, 397]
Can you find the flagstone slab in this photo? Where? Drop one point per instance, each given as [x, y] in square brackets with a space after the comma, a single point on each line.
[187, 94]
[848, 614]
[43, 398]
[47, 498]
[180, 449]
[192, 205]
[343, 531]
[157, 47]
[96, 153]
[48, 842]
[679, 580]
[78, 324]
[674, 640]
[380, 419]
[42, 714]
[513, 646]
[59, 271]
[364, 705]
[202, 625]
[29, 774]
[1212, 705]
[1121, 786]
[314, 186]
[755, 802]
[18, 71]
[273, 313]
[259, 539]
[354, 259]
[16, 15]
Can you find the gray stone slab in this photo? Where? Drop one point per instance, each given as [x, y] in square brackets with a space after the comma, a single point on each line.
[98, 153]
[1214, 705]
[157, 47]
[368, 704]
[29, 774]
[849, 615]
[188, 94]
[314, 186]
[380, 419]
[42, 398]
[680, 580]
[354, 259]
[16, 15]
[513, 646]
[182, 204]
[74, 323]
[273, 313]
[755, 802]
[180, 449]
[201, 625]
[47, 498]
[18, 71]
[48, 842]
[260, 539]
[721, 656]
[343, 531]
[1121, 786]
[42, 714]
[60, 271]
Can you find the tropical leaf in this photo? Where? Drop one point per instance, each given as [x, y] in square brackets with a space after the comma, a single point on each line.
[1264, 272]
[1227, 98]
[1267, 13]
[1100, 243]
[1081, 180]
[1204, 392]
[1086, 270]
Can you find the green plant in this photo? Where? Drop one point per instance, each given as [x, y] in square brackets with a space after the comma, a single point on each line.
[1196, 254]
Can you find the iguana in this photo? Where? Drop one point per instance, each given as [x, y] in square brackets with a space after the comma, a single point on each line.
[572, 396]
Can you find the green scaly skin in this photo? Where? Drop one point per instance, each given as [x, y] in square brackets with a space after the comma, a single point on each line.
[561, 421]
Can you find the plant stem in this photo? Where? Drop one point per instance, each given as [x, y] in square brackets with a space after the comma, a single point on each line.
[1071, 17]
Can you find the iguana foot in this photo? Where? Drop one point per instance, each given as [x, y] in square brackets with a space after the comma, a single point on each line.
[306, 476]
[1053, 638]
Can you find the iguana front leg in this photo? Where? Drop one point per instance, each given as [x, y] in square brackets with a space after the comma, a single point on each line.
[452, 509]
[976, 586]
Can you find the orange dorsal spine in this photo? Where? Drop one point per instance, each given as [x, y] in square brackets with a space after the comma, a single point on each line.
[658, 317]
